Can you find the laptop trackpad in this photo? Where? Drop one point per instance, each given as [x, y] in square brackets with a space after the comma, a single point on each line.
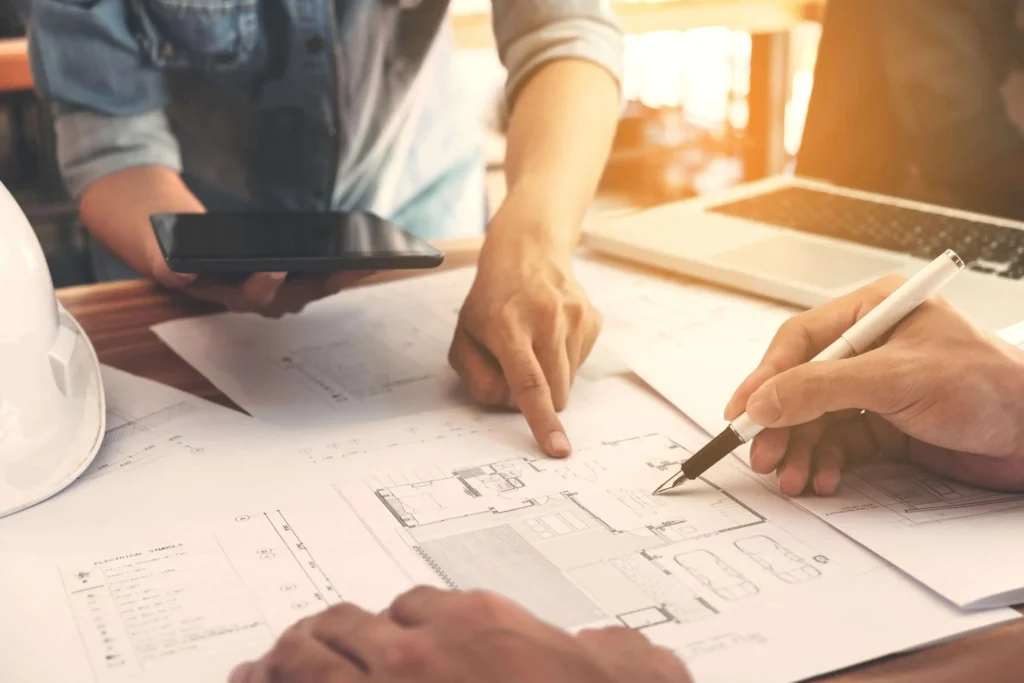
[810, 262]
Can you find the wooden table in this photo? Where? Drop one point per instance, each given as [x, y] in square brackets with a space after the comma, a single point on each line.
[117, 317]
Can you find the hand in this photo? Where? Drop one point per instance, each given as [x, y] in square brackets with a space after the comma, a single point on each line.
[272, 295]
[434, 636]
[938, 391]
[117, 210]
[525, 329]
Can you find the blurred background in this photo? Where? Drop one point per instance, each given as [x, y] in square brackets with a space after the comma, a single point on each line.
[717, 93]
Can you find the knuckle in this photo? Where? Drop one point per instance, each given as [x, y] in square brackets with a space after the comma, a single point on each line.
[458, 349]
[283, 656]
[413, 654]
[667, 662]
[505, 322]
[593, 637]
[486, 606]
[622, 634]
[550, 311]
[453, 357]
[575, 311]
[488, 390]
[343, 612]
[414, 596]
[531, 383]
[793, 327]
[407, 598]
[339, 620]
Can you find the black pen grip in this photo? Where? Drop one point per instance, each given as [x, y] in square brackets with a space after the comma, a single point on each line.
[719, 447]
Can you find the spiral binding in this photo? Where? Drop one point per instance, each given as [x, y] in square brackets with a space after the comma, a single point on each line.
[436, 567]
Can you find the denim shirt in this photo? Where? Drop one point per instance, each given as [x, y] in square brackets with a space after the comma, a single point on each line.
[294, 104]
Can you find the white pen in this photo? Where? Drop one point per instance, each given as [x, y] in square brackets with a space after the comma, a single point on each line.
[859, 338]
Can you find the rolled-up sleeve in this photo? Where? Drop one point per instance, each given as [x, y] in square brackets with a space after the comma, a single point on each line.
[92, 145]
[108, 105]
[530, 33]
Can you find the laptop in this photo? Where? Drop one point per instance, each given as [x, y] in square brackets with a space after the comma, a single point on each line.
[805, 241]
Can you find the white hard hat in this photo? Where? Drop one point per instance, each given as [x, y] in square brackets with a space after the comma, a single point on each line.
[52, 412]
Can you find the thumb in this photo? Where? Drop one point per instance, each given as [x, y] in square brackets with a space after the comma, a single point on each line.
[161, 272]
[808, 391]
[171, 279]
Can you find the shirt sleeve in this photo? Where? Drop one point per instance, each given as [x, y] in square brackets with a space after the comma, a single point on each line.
[91, 145]
[942, 62]
[108, 105]
[530, 33]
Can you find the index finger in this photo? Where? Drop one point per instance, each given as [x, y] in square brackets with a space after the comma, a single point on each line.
[532, 395]
[806, 334]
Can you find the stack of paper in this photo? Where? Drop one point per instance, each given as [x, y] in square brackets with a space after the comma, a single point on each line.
[201, 534]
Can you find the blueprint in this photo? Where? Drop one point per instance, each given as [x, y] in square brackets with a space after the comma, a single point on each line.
[718, 574]
[691, 343]
[381, 351]
[147, 421]
[729, 575]
[368, 353]
[959, 540]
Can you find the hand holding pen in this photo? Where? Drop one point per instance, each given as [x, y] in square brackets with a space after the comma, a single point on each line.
[843, 328]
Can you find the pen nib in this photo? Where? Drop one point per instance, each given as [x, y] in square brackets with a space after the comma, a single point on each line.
[670, 483]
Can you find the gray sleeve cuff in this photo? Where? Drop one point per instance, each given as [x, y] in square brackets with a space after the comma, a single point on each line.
[92, 145]
[595, 39]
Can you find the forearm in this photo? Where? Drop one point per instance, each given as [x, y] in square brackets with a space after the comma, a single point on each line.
[117, 208]
[559, 138]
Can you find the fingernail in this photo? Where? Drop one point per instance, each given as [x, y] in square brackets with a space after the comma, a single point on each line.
[186, 278]
[558, 445]
[764, 407]
[825, 483]
[278, 276]
[790, 484]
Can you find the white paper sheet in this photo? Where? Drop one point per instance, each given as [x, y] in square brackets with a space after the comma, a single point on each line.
[147, 421]
[368, 353]
[221, 553]
[382, 351]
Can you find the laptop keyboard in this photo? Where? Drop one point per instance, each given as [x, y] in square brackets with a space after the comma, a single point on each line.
[984, 247]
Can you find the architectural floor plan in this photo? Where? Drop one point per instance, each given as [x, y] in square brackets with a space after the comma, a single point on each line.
[313, 369]
[959, 539]
[147, 421]
[558, 539]
[225, 551]
[918, 496]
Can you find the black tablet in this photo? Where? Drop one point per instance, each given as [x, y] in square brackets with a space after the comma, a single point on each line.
[293, 242]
